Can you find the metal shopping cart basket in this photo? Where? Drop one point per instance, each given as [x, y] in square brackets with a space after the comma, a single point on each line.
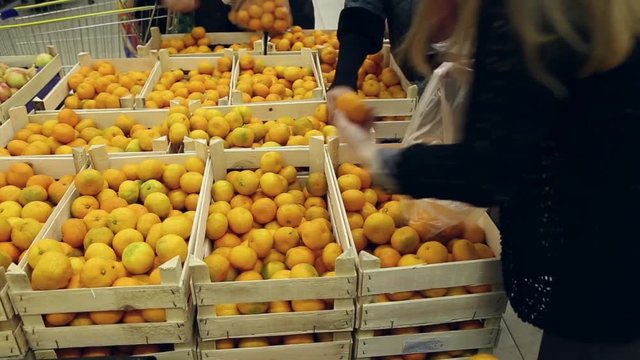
[105, 28]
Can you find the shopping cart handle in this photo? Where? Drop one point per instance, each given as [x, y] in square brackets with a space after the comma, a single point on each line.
[8, 14]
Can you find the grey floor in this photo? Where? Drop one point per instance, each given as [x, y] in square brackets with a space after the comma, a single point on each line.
[518, 341]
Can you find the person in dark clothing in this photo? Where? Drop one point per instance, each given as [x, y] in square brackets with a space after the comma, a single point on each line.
[360, 38]
[551, 136]
[212, 14]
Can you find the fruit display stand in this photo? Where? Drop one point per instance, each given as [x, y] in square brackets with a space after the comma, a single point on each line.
[58, 94]
[172, 294]
[304, 58]
[219, 38]
[33, 87]
[184, 63]
[374, 281]
[19, 118]
[340, 288]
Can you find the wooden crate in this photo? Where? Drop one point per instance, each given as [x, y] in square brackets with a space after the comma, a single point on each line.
[59, 93]
[219, 38]
[338, 349]
[368, 346]
[56, 167]
[373, 281]
[186, 63]
[13, 343]
[172, 294]
[182, 351]
[306, 32]
[104, 119]
[341, 288]
[392, 130]
[304, 59]
[42, 78]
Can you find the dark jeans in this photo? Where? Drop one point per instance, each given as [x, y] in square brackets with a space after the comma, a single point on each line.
[212, 14]
[555, 348]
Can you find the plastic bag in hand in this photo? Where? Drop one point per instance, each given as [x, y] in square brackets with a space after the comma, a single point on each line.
[439, 119]
[271, 16]
[433, 216]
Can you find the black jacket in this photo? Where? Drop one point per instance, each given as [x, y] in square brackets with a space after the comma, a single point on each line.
[565, 173]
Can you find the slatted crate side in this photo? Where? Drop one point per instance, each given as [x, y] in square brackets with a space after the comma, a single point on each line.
[304, 59]
[172, 294]
[31, 89]
[271, 111]
[58, 94]
[208, 294]
[103, 118]
[338, 349]
[181, 351]
[373, 281]
[13, 344]
[369, 346]
[177, 329]
[169, 63]
[218, 38]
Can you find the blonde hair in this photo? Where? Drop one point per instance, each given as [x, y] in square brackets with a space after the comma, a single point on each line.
[604, 31]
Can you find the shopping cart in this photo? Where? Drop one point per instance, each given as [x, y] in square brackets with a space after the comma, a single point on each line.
[105, 28]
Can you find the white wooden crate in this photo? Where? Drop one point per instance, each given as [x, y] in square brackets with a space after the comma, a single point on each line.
[172, 294]
[272, 111]
[103, 118]
[389, 107]
[59, 93]
[341, 288]
[57, 168]
[374, 281]
[182, 351]
[307, 32]
[304, 59]
[13, 344]
[368, 346]
[269, 111]
[35, 84]
[338, 349]
[219, 38]
[186, 63]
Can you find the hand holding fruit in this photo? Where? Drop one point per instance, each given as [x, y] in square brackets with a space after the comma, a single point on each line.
[345, 99]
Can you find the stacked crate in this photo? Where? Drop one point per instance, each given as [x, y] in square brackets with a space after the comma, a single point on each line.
[419, 326]
[172, 295]
[332, 327]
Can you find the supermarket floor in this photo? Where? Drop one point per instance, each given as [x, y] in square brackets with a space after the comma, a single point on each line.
[518, 341]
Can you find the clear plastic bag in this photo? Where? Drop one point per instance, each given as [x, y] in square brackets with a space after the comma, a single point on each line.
[439, 119]
[271, 16]
[439, 115]
[434, 218]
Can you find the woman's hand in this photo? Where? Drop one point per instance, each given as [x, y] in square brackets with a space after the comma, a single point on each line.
[182, 6]
[332, 95]
[361, 141]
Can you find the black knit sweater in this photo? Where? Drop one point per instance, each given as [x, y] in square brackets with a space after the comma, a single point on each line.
[563, 173]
